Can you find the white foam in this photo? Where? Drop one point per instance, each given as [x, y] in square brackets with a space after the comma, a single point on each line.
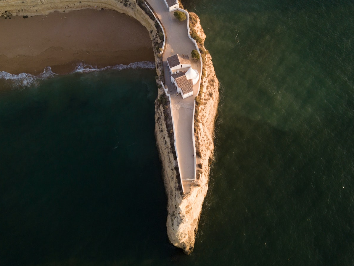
[83, 68]
[47, 73]
[26, 80]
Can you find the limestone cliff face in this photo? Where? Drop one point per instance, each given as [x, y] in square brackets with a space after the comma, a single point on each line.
[184, 209]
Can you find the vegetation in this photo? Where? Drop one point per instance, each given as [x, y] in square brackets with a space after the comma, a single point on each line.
[181, 16]
[162, 100]
[193, 19]
[195, 54]
[160, 35]
[201, 98]
[196, 37]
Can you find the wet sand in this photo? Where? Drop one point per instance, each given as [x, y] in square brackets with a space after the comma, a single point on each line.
[62, 40]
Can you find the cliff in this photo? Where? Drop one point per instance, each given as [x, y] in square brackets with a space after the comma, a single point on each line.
[184, 209]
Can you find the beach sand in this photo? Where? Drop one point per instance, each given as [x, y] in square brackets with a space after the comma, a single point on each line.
[63, 40]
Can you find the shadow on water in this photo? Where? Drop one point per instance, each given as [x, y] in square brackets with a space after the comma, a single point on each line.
[81, 179]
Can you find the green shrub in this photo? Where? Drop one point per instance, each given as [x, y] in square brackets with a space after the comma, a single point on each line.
[181, 16]
[193, 19]
[195, 54]
[196, 37]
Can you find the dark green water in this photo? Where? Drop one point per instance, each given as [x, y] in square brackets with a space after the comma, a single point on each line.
[80, 174]
[282, 184]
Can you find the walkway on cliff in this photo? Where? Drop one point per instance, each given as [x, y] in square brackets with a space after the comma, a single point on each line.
[178, 42]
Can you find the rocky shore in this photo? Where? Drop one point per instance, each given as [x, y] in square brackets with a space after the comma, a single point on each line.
[183, 209]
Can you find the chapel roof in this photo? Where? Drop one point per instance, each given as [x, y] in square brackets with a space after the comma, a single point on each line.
[185, 84]
[176, 60]
[178, 74]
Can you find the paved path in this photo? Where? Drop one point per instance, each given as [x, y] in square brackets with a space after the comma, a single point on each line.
[178, 42]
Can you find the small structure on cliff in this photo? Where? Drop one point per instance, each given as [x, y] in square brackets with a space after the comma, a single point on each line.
[184, 85]
[192, 75]
[176, 62]
[172, 4]
[182, 75]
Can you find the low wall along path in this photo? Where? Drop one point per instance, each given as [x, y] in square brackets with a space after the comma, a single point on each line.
[178, 41]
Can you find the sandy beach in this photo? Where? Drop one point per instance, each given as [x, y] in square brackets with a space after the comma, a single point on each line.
[62, 40]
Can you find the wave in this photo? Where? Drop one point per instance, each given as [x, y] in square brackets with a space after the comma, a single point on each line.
[26, 80]
[84, 68]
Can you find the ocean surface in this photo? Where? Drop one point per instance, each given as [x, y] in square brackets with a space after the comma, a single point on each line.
[81, 179]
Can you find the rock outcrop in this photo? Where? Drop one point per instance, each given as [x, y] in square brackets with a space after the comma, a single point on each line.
[184, 209]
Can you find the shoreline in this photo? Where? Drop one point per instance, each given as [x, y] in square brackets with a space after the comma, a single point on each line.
[26, 79]
[61, 41]
[184, 209]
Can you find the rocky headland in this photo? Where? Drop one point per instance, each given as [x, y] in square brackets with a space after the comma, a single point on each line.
[184, 209]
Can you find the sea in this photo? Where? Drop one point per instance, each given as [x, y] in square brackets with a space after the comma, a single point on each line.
[80, 175]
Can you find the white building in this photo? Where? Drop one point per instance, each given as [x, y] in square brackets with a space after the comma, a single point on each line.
[182, 75]
[172, 4]
[177, 62]
[184, 85]
[192, 75]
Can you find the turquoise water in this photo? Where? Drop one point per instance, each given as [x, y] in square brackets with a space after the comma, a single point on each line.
[81, 180]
